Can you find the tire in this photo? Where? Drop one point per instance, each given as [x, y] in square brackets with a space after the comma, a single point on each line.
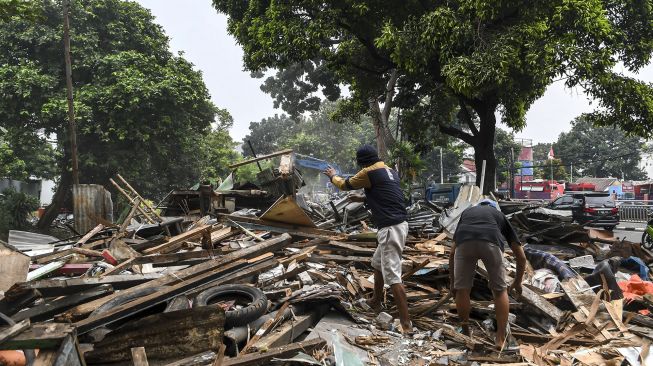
[121, 300]
[255, 299]
[647, 241]
[609, 228]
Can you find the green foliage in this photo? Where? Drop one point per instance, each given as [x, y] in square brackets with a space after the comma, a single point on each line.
[317, 136]
[29, 9]
[15, 209]
[560, 172]
[408, 162]
[482, 56]
[140, 110]
[600, 151]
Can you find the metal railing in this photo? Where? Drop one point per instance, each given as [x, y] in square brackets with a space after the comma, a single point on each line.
[634, 211]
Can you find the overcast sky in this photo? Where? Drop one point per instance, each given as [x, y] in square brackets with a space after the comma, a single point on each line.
[196, 28]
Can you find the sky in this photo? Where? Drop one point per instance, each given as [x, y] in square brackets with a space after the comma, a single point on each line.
[200, 32]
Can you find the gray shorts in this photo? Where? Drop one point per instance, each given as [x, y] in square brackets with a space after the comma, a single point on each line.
[468, 254]
[387, 257]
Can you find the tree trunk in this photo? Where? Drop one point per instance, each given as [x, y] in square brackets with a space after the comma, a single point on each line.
[384, 138]
[58, 201]
[484, 150]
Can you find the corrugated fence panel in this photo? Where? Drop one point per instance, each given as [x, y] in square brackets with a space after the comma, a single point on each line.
[91, 202]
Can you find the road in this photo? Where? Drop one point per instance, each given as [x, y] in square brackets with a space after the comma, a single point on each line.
[633, 232]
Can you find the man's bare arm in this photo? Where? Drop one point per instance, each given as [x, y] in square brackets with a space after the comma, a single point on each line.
[520, 257]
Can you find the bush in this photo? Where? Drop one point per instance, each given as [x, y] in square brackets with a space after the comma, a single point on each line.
[15, 209]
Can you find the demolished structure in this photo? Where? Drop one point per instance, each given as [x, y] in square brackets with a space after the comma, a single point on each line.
[256, 273]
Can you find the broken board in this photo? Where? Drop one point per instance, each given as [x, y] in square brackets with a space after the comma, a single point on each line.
[287, 211]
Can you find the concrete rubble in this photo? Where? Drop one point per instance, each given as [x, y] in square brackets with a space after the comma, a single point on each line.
[258, 274]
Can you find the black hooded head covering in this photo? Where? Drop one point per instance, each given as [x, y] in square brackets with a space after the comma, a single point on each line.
[366, 155]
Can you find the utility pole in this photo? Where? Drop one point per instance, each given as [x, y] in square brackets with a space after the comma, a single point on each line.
[512, 172]
[441, 168]
[571, 173]
[72, 133]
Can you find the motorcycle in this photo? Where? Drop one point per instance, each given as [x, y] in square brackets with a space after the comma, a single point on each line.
[647, 237]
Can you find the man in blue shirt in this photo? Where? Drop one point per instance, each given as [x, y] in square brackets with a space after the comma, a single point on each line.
[384, 197]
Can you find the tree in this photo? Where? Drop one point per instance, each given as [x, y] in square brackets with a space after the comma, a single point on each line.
[317, 135]
[543, 170]
[140, 110]
[476, 57]
[600, 151]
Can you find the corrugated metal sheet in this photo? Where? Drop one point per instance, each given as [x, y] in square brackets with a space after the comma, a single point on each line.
[26, 241]
[91, 202]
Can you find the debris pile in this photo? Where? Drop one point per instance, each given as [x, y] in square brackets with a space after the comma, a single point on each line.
[210, 279]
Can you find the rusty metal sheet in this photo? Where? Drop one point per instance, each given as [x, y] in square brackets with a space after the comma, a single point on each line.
[91, 202]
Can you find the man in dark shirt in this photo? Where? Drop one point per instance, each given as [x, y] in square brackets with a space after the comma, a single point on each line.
[385, 199]
[482, 233]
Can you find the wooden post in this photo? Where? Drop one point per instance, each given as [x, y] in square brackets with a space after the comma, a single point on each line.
[139, 357]
[72, 133]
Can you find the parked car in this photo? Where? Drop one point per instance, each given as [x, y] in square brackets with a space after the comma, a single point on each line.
[589, 208]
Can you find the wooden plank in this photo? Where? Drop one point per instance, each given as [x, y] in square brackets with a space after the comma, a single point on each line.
[156, 298]
[351, 248]
[53, 256]
[60, 287]
[139, 358]
[277, 227]
[165, 335]
[119, 268]
[287, 211]
[90, 234]
[14, 265]
[265, 327]
[48, 309]
[292, 329]
[340, 259]
[178, 239]
[219, 357]
[261, 157]
[12, 330]
[39, 336]
[87, 252]
[172, 257]
[264, 358]
[269, 245]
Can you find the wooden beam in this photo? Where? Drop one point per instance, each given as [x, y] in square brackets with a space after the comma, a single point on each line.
[187, 274]
[39, 336]
[50, 308]
[139, 357]
[13, 330]
[341, 259]
[172, 257]
[52, 288]
[277, 227]
[292, 329]
[178, 239]
[262, 157]
[165, 335]
[156, 298]
[264, 358]
[90, 234]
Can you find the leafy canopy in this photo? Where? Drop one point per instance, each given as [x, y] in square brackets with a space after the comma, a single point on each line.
[140, 110]
[472, 56]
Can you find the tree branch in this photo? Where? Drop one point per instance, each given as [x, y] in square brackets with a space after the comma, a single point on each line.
[467, 117]
[457, 133]
[389, 93]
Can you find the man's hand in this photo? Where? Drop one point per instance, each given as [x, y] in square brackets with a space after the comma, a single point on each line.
[330, 172]
[516, 287]
[355, 197]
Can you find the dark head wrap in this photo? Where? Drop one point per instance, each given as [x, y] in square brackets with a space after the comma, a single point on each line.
[366, 156]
